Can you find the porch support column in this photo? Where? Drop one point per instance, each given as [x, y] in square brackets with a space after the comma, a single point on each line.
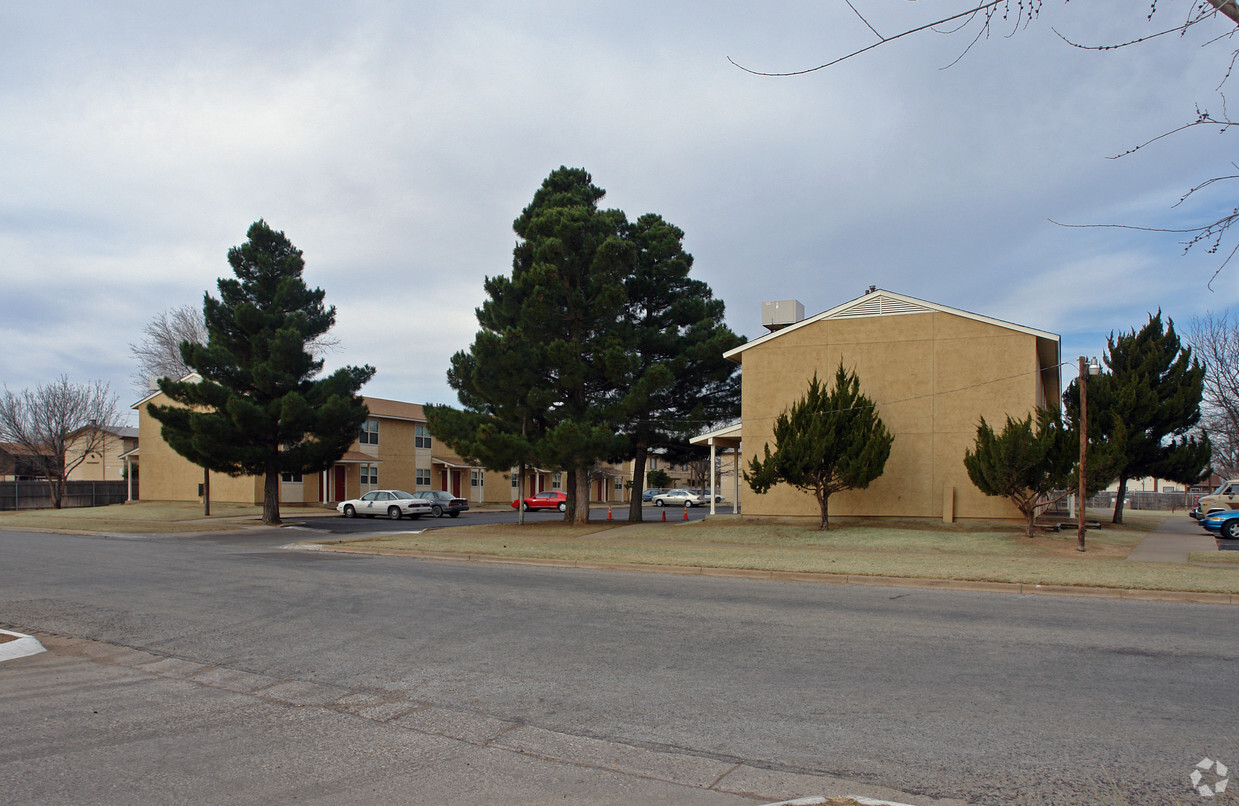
[735, 475]
[712, 480]
[128, 479]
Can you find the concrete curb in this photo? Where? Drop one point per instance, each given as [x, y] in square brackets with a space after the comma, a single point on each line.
[1018, 588]
[821, 800]
[24, 646]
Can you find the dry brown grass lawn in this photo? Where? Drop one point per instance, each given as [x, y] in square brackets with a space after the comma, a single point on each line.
[135, 518]
[993, 551]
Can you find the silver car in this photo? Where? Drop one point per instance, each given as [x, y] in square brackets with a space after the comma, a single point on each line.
[680, 498]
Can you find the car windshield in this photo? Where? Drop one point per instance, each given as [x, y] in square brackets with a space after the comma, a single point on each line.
[401, 494]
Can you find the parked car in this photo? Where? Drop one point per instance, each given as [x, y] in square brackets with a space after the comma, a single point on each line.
[1225, 497]
[393, 504]
[717, 498]
[444, 503]
[649, 494]
[679, 498]
[547, 500]
[1225, 523]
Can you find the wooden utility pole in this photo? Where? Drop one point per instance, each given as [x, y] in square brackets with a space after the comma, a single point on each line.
[1083, 449]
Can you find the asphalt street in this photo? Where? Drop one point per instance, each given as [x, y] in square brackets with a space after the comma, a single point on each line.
[979, 697]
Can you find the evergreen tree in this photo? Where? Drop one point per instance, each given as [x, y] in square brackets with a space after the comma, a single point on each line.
[1026, 462]
[829, 440]
[258, 409]
[681, 382]
[1143, 411]
[542, 380]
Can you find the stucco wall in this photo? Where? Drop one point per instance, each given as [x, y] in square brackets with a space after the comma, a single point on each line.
[167, 476]
[933, 376]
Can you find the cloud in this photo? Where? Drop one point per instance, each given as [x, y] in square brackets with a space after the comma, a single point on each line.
[396, 144]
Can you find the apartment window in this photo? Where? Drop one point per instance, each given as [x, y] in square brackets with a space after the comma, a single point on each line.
[515, 480]
[422, 478]
[369, 433]
[369, 475]
[619, 483]
[291, 477]
[421, 436]
[475, 478]
[556, 480]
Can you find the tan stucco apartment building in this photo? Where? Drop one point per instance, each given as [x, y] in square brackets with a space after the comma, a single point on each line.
[394, 450]
[933, 372]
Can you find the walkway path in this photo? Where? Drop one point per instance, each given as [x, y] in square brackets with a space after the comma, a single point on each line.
[1171, 542]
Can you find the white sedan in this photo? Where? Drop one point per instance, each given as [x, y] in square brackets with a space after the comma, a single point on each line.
[393, 504]
[680, 498]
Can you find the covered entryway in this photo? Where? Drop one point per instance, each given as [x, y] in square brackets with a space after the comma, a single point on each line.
[724, 440]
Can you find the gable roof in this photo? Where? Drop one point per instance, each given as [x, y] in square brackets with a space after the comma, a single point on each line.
[395, 409]
[379, 407]
[886, 303]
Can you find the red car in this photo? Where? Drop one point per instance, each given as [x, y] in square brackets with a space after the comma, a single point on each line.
[547, 500]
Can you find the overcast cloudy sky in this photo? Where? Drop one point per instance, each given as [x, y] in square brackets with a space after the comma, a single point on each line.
[395, 142]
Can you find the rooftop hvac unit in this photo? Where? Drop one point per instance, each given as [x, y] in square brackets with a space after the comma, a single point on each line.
[780, 314]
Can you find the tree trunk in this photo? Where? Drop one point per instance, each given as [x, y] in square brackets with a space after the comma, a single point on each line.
[520, 493]
[271, 498]
[581, 514]
[638, 485]
[823, 502]
[57, 488]
[206, 493]
[1118, 502]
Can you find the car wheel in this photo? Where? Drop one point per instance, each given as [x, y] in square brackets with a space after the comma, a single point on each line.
[563, 507]
[393, 513]
[454, 514]
[437, 511]
[688, 504]
[658, 502]
[1230, 529]
[524, 506]
[349, 512]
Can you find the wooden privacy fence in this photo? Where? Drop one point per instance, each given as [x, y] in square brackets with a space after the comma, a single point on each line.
[37, 495]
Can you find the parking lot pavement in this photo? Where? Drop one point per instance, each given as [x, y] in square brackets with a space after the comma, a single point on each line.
[341, 525]
[95, 722]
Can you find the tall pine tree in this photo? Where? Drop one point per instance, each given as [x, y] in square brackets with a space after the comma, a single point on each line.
[1141, 414]
[680, 381]
[542, 380]
[258, 409]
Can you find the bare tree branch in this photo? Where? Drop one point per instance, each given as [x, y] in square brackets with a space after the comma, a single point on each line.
[159, 353]
[59, 425]
[1215, 341]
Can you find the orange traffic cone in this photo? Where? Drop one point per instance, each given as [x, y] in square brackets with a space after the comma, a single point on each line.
[608, 512]
[685, 513]
[664, 514]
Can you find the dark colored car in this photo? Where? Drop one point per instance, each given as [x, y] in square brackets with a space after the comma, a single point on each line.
[546, 500]
[444, 503]
[649, 494]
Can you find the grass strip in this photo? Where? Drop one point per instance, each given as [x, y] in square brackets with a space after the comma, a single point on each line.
[994, 552]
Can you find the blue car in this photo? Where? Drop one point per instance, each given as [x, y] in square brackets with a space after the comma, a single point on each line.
[1224, 523]
[649, 494]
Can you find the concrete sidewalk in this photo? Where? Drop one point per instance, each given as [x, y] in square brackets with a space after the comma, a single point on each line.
[1171, 542]
[108, 724]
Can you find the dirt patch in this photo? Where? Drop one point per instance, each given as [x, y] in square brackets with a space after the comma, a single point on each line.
[5, 637]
